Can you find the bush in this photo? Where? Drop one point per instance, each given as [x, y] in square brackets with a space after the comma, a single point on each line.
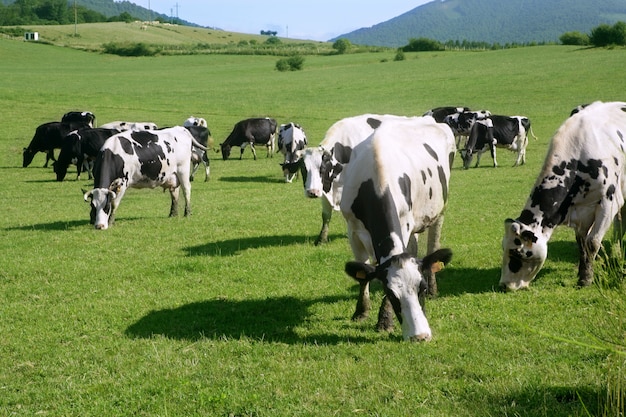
[423, 44]
[605, 35]
[294, 63]
[129, 49]
[399, 56]
[574, 38]
[342, 46]
[273, 40]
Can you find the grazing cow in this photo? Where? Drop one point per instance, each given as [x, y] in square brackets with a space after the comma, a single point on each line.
[145, 159]
[199, 155]
[133, 126]
[249, 132]
[48, 136]
[195, 121]
[291, 142]
[82, 145]
[395, 186]
[440, 113]
[322, 165]
[462, 123]
[85, 117]
[497, 131]
[582, 184]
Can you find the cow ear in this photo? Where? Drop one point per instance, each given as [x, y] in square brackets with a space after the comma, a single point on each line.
[436, 260]
[360, 271]
[510, 224]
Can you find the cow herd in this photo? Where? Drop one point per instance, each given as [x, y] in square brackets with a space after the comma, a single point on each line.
[389, 176]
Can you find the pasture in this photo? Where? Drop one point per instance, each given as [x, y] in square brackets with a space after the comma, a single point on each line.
[234, 311]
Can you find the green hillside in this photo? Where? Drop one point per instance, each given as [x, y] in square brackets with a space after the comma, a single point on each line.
[493, 21]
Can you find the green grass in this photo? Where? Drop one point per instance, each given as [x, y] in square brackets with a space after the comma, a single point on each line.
[234, 311]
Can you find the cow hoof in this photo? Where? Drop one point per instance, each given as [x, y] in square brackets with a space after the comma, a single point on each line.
[424, 337]
[584, 282]
[359, 316]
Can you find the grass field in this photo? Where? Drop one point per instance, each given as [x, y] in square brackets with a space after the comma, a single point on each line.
[234, 311]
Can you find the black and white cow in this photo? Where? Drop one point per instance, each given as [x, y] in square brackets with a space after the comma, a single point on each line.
[582, 184]
[248, 132]
[291, 142]
[81, 145]
[145, 159]
[322, 165]
[47, 138]
[85, 117]
[198, 155]
[195, 121]
[440, 113]
[509, 132]
[395, 186]
[462, 123]
[133, 126]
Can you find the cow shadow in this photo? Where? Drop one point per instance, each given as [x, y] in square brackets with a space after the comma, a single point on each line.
[52, 226]
[230, 247]
[453, 281]
[272, 319]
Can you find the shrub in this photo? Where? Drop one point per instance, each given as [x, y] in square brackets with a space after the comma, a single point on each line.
[342, 45]
[605, 35]
[399, 56]
[273, 40]
[574, 38]
[129, 49]
[294, 63]
[423, 44]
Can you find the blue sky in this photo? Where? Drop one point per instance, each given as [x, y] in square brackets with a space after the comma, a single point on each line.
[313, 19]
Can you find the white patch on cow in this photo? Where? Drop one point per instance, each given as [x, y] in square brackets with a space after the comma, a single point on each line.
[195, 121]
[132, 126]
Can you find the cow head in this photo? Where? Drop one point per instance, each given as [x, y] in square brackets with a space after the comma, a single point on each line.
[405, 287]
[59, 169]
[28, 157]
[225, 150]
[524, 253]
[102, 206]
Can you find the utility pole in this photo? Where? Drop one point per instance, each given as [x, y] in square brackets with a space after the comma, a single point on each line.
[75, 19]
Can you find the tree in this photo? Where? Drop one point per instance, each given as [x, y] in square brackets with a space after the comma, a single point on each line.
[423, 44]
[605, 35]
[342, 45]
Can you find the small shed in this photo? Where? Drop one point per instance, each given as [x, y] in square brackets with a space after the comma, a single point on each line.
[31, 36]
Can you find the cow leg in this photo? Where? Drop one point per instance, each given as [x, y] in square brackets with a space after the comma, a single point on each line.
[327, 213]
[587, 250]
[493, 155]
[174, 193]
[363, 304]
[207, 170]
[619, 225]
[434, 239]
[49, 156]
[385, 316]
[186, 186]
[253, 150]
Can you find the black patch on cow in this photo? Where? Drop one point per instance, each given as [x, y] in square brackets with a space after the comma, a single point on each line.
[405, 187]
[559, 169]
[126, 145]
[526, 217]
[342, 153]
[592, 168]
[373, 123]
[451, 159]
[431, 152]
[610, 191]
[423, 176]
[443, 179]
[378, 215]
[529, 236]
[515, 261]
[114, 164]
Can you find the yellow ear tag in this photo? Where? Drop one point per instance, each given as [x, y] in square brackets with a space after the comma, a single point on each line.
[361, 275]
[436, 267]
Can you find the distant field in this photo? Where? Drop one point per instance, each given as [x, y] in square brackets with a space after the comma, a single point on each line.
[234, 311]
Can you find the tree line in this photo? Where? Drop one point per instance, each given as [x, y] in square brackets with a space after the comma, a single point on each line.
[53, 12]
[600, 36]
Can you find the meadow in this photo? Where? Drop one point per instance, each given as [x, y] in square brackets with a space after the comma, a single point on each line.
[233, 311]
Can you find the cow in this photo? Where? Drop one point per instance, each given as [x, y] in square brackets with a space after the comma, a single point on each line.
[462, 123]
[395, 186]
[509, 132]
[195, 121]
[47, 137]
[82, 145]
[582, 184]
[144, 159]
[85, 117]
[134, 126]
[198, 155]
[248, 132]
[321, 166]
[291, 142]
[440, 113]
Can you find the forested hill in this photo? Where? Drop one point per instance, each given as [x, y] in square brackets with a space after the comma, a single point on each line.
[492, 21]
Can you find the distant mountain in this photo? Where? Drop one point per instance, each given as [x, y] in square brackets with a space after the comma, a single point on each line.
[492, 21]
